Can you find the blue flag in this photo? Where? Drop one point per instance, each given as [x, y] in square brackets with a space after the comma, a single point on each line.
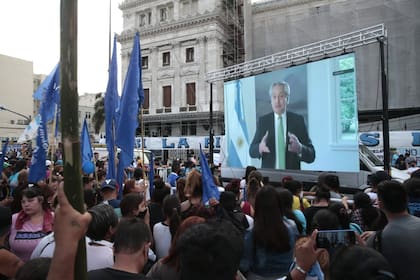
[38, 171]
[40, 92]
[3, 154]
[210, 189]
[128, 112]
[129, 109]
[86, 148]
[49, 94]
[151, 174]
[111, 105]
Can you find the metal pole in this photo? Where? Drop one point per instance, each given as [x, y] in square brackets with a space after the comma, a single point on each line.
[16, 113]
[211, 126]
[385, 117]
[70, 121]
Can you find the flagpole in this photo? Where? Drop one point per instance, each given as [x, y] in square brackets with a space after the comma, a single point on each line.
[109, 69]
[142, 134]
[53, 143]
[146, 178]
[70, 122]
[211, 149]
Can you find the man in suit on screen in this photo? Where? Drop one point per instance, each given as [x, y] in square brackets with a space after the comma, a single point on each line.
[281, 139]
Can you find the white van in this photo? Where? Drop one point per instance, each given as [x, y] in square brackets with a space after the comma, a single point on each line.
[138, 153]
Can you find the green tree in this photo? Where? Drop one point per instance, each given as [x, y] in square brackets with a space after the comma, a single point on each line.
[98, 117]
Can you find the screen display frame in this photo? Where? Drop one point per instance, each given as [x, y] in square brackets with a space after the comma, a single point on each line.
[323, 93]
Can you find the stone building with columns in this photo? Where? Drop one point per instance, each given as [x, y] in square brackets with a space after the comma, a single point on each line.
[182, 40]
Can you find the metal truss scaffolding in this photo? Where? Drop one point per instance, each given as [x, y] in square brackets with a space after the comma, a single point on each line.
[313, 51]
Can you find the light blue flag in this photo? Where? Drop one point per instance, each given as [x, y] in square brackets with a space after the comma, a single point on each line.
[210, 189]
[86, 148]
[112, 101]
[239, 109]
[151, 174]
[38, 171]
[3, 154]
[129, 108]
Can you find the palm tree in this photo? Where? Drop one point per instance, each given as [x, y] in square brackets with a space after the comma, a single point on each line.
[98, 118]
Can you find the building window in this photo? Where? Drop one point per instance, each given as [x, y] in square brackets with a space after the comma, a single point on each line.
[167, 97]
[167, 130]
[190, 93]
[193, 128]
[186, 8]
[189, 128]
[346, 100]
[142, 20]
[144, 62]
[163, 14]
[166, 59]
[146, 102]
[189, 54]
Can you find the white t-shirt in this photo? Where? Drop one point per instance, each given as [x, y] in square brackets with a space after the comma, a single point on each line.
[144, 185]
[162, 237]
[99, 254]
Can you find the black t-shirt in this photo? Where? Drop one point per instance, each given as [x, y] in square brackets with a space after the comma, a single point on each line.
[309, 215]
[113, 274]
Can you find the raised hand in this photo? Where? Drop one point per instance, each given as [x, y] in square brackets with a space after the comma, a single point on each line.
[294, 145]
[262, 147]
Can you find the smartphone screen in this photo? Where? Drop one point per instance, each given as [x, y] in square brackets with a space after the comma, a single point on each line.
[335, 239]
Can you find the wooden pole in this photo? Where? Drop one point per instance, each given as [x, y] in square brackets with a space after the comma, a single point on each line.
[70, 121]
[53, 145]
[145, 176]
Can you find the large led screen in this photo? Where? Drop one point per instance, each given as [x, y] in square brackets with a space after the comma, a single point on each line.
[301, 118]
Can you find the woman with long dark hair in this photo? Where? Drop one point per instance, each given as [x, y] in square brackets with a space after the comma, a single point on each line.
[163, 232]
[168, 268]
[286, 200]
[364, 213]
[269, 246]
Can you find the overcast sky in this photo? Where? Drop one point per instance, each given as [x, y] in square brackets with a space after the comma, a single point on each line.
[30, 30]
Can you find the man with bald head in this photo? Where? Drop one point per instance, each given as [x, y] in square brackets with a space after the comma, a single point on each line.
[281, 139]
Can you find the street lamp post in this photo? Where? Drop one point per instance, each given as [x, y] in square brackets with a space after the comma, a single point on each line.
[2, 108]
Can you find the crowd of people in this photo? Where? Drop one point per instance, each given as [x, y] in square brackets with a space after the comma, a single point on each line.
[252, 231]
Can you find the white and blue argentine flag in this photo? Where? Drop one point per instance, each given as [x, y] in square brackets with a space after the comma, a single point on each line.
[30, 131]
[237, 123]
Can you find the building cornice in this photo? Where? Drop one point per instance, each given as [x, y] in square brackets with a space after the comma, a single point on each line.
[128, 34]
[275, 4]
[128, 4]
[189, 116]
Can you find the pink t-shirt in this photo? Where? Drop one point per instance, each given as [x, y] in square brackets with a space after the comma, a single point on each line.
[23, 241]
